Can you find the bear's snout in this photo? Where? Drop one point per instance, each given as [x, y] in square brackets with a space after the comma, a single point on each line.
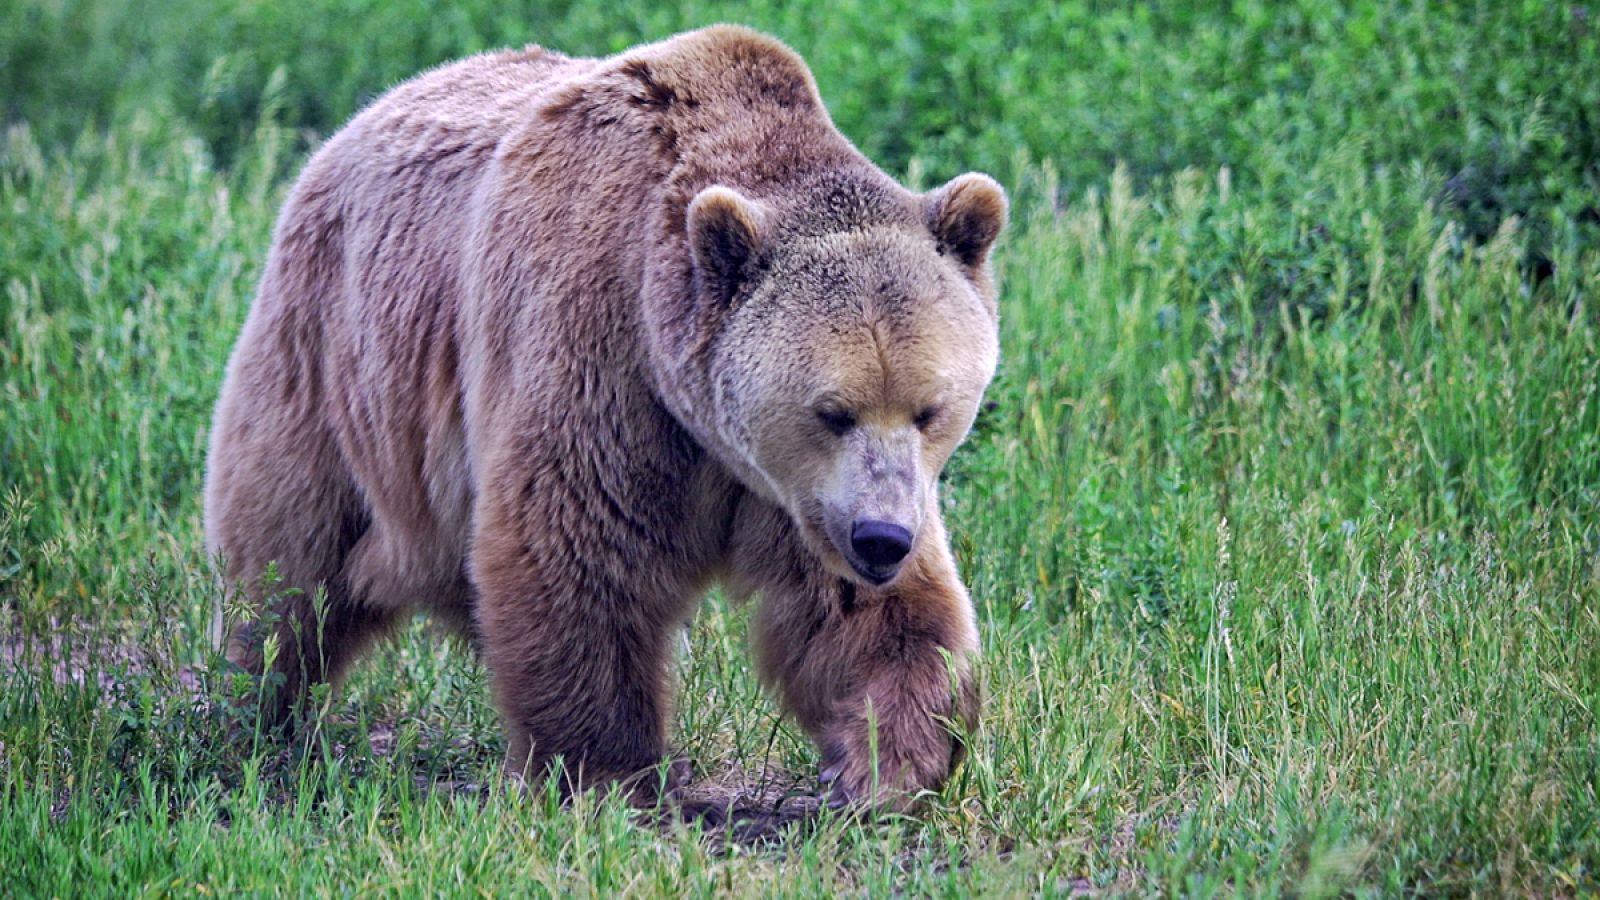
[881, 546]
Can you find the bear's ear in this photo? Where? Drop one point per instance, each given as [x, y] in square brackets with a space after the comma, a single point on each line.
[966, 215]
[724, 233]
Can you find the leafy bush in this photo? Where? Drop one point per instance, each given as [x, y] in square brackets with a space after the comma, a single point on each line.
[1496, 102]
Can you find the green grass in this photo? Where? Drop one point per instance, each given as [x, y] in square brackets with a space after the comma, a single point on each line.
[1284, 527]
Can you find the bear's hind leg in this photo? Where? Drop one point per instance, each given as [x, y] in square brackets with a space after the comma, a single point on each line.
[312, 636]
[291, 509]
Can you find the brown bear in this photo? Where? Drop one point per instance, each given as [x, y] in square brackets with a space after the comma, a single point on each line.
[546, 346]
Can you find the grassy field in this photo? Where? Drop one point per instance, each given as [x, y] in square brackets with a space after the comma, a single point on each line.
[1284, 526]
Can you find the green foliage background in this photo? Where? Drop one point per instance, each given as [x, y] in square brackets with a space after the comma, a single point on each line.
[1284, 527]
[1500, 98]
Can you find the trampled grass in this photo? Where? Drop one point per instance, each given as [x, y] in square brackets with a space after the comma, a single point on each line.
[1284, 525]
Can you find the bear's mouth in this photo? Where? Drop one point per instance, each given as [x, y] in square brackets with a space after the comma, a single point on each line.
[875, 577]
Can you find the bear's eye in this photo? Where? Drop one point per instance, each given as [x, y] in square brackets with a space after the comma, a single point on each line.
[838, 421]
[926, 417]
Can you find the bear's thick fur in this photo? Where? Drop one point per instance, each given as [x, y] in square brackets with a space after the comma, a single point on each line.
[545, 346]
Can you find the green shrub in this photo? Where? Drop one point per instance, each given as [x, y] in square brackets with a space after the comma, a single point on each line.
[1496, 102]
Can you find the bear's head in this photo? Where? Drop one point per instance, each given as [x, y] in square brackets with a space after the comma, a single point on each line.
[849, 362]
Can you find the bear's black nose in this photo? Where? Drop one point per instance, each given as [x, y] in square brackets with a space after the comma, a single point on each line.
[880, 544]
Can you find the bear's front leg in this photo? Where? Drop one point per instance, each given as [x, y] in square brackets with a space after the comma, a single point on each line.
[881, 678]
[578, 658]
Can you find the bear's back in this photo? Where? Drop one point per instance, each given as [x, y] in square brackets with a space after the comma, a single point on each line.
[352, 327]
